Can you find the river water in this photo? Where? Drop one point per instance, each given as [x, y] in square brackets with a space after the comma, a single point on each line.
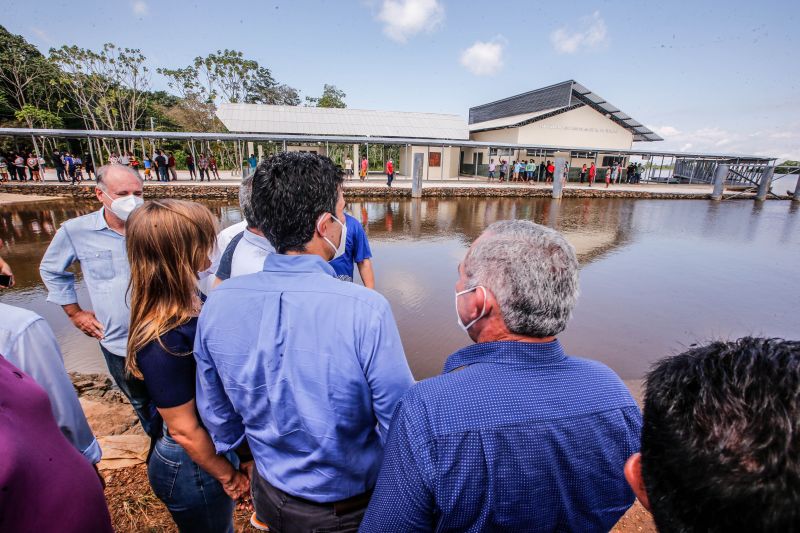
[656, 275]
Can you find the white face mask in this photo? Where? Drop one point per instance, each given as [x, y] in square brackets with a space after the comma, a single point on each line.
[124, 205]
[483, 311]
[338, 250]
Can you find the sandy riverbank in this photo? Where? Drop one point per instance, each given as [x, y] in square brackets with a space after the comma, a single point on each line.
[15, 198]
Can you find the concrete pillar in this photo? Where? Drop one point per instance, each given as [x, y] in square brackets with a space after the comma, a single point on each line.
[719, 181]
[260, 152]
[558, 177]
[796, 197]
[766, 181]
[416, 183]
[250, 149]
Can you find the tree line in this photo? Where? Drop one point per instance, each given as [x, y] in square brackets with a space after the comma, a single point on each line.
[110, 89]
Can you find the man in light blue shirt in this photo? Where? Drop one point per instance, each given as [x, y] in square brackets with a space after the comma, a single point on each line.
[97, 241]
[28, 343]
[307, 367]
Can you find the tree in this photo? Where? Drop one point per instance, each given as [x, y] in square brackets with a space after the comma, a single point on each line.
[38, 118]
[788, 166]
[331, 97]
[110, 87]
[26, 79]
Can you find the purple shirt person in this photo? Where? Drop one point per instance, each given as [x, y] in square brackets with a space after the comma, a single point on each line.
[47, 484]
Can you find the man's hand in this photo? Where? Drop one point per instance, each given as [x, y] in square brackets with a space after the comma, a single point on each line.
[87, 323]
[247, 469]
[237, 486]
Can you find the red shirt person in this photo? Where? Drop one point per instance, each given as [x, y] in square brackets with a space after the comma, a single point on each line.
[592, 173]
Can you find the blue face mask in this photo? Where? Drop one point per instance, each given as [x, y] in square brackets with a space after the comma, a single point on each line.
[483, 311]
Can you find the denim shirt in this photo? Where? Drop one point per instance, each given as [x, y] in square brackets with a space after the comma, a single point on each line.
[106, 272]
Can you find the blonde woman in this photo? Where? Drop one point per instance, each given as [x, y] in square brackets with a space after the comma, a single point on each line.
[168, 242]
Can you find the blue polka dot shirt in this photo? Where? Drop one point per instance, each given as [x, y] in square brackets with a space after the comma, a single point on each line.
[513, 436]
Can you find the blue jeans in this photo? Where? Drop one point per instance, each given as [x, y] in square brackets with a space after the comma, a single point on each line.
[196, 501]
[135, 390]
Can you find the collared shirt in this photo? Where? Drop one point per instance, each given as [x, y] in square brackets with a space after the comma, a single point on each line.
[514, 436]
[245, 254]
[28, 343]
[106, 272]
[310, 368]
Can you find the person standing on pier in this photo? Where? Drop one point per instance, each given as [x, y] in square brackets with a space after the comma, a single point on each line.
[348, 168]
[190, 167]
[515, 435]
[389, 173]
[364, 168]
[583, 173]
[311, 374]
[592, 173]
[97, 241]
[492, 167]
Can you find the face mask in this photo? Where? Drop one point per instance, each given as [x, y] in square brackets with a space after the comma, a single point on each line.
[460, 322]
[338, 251]
[124, 206]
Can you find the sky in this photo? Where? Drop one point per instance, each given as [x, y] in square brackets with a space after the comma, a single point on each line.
[707, 76]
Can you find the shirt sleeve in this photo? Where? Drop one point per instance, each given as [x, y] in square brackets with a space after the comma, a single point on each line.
[361, 249]
[57, 258]
[225, 265]
[385, 367]
[223, 423]
[36, 352]
[169, 377]
[403, 497]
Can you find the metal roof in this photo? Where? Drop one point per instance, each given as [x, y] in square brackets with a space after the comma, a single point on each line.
[322, 139]
[295, 120]
[561, 95]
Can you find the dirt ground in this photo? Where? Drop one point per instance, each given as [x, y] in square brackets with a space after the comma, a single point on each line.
[134, 508]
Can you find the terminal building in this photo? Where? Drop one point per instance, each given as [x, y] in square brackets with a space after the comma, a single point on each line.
[566, 120]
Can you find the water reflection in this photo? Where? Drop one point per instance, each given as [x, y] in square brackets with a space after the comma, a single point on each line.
[656, 276]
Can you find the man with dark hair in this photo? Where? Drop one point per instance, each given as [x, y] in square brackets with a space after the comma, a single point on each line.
[721, 439]
[307, 367]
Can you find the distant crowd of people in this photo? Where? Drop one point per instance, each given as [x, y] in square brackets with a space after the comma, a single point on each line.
[545, 171]
[265, 376]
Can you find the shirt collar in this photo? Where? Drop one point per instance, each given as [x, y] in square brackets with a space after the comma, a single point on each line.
[257, 240]
[310, 263]
[507, 352]
[100, 219]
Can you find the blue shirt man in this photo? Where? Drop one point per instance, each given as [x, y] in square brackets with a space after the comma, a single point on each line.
[28, 343]
[104, 262]
[97, 241]
[515, 435]
[305, 366]
[356, 251]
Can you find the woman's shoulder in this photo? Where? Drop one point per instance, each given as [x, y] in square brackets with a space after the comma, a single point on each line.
[177, 342]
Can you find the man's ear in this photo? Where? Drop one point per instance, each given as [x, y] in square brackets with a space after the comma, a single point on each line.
[633, 473]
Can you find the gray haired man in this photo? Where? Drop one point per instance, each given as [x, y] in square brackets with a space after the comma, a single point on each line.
[97, 241]
[515, 435]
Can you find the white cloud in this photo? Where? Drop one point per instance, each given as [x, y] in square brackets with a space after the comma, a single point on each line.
[140, 8]
[406, 18]
[783, 141]
[42, 35]
[665, 131]
[590, 32]
[484, 58]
